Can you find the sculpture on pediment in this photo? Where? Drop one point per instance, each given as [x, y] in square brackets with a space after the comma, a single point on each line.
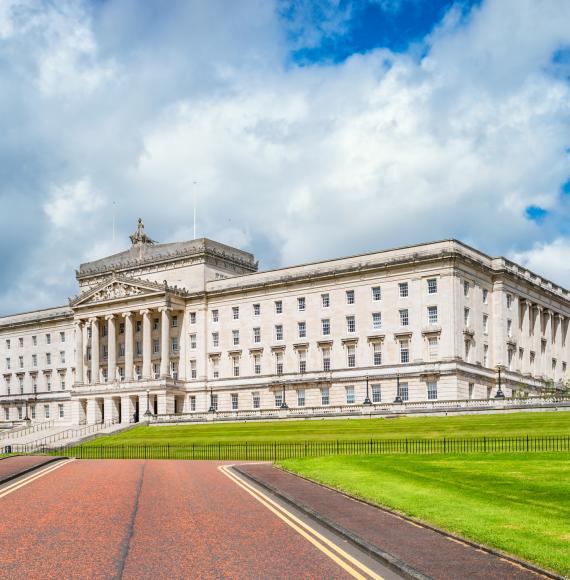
[116, 290]
[140, 238]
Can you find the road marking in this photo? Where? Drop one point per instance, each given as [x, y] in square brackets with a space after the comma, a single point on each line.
[32, 477]
[310, 534]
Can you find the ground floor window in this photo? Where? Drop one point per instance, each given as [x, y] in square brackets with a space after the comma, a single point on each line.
[301, 398]
[7, 414]
[46, 411]
[33, 411]
[20, 413]
[192, 403]
[376, 394]
[325, 396]
[403, 391]
[215, 402]
[278, 399]
[471, 390]
[432, 391]
[350, 397]
[256, 400]
[61, 411]
[234, 402]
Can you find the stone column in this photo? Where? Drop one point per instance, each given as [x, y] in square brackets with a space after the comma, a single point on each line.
[147, 351]
[79, 352]
[108, 412]
[128, 316]
[111, 348]
[144, 404]
[75, 411]
[94, 351]
[525, 335]
[85, 341]
[537, 336]
[127, 409]
[548, 322]
[164, 343]
[91, 418]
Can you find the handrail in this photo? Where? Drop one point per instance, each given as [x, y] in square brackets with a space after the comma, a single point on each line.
[13, 434]
[71, 433]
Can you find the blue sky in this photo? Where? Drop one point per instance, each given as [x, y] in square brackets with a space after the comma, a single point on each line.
[313, 130]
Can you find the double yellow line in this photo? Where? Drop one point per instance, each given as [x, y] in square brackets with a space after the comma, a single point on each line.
[347, 562]
[4, 491]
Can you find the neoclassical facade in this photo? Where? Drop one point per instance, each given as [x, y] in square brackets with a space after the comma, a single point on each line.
[191, 327]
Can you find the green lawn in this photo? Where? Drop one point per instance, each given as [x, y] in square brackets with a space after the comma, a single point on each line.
[517, 503]
[504, 425]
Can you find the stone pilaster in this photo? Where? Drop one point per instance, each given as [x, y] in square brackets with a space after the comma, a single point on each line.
[94, 350]
[129, 354]
[111, 348]
[164, 343]
[147, 347]
[79, 353]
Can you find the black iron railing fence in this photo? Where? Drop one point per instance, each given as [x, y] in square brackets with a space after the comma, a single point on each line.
[269, 451]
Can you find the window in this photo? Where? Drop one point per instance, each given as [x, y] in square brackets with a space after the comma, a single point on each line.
[465, 288]
[20, 415]
[279, 363]
[325, 396]
[138, 325]
[376, 293]
[21, 362]
[156, 371]
[467, 350]
[325, 300]
[62, 337]
[121, 328]
[8, 364]
[485, 355]
[88, 332]
[104, 330]
[326, 326]
[156, 346]
[350, 296]
[377, 353]
[256, 400]
[34, 341]
[192, 318]
[326, 359]
[235, 402]
[509, 300]
[404, 319]
[6, 413]
[301, 304]
[302, 329]
[350, 398]
[192, 402]
[432, 315]
[216, 315]
[278, 398]
[62, 356]
[257, 309]
[34, 385]
[174, 347]
[278, 332]
[403, 391]
[257, 364]
[432, 391]
[376, 394]
[485, 296]
[257, 335]
[510, 356]
[376, 320]
[21, 384]
[174, 321]
[214, 401]
[21, 342]
[193, 341]
[8, 343]
[350, 324]
[34, 360]
[471, 390]
[235, 312]
[235, 337]
[351, 356]
[155, 324]
[432, 286]
[433, 347]
[302, 361]
[174, 370]
[122, 373]
[485, 324]
[235, 365]
[278, 307]
[48, 356]
[61, 412]
[466, 316]
[300, 397]
[404, 351]
[46, 411]
[121, 349]
[532, 359]
[403, 289]
[215, 368]
[215, 339]
[33, 410]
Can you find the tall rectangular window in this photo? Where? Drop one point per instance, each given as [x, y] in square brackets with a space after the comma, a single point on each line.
[485, 296]
[257, 335]
[174, 321]
[302, 329]
[235, 365]
[433, 348]
[376, 293]
[403, 289]
[302, 361]
[215, 339]
[300, 397]
[485, 355]
[404, 318]
[235, 312]
[377, 354]
[235, 337]
[193, 341]
[509, 328]
[485, 324]
[215, 315]
[465, 288]
[325, 396]
[432, 315]
[215, 368]
[350, 397]
[325, 300]
[351, 356]
[278, 332]
[509, 300]
[432, 285]
[404, 351]
[193, 369]
[376, 320]
[326, 359]
[255, 400]
[432, 391]
[235, 402]
[350, 296]
[326, 326]
[257, 309]
[467, 350]
[376, 394]
[350, 324]
[192, 402]
[279, 363]
[466, 316]
[278, 307]
[256, 364]
[301, 304]
[278, 395]
[192, 318]
[62, 336]
[403, 391]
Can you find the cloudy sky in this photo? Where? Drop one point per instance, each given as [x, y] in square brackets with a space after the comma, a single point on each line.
[313, 129]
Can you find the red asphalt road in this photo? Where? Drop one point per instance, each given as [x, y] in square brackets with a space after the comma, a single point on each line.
[155, 519]
[16, 464]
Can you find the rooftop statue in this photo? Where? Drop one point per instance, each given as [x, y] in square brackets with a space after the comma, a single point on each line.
[139, 238]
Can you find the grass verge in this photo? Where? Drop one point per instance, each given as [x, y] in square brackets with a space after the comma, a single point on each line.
[519, 504]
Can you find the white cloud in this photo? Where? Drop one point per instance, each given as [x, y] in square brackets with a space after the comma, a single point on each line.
[550, 259]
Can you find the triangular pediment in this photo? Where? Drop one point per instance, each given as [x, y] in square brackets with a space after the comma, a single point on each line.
[118, 288]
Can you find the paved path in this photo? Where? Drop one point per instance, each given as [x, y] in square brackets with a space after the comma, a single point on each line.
[155, 519]
[428, 552]
[16, 465]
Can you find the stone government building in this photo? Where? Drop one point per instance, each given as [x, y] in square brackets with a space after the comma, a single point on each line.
[185, 327]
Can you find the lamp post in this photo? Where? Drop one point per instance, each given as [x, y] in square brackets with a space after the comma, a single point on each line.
[283, 403]
[500, 394]
[147, 413]
[211, 409]
[398, 398]
[367, 400]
